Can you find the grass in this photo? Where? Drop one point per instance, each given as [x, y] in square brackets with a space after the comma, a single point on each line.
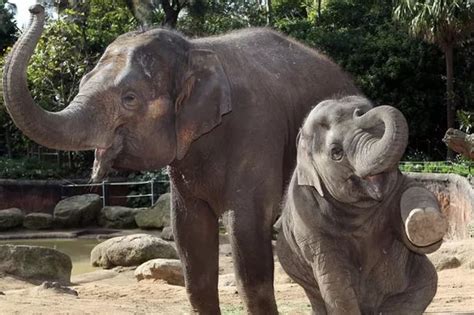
[465, 168]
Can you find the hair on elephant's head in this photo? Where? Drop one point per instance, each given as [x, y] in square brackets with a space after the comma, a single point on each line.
[350, 150]
[150, 95]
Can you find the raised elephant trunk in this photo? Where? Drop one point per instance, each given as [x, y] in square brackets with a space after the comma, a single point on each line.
[64, 130]
[379, 154]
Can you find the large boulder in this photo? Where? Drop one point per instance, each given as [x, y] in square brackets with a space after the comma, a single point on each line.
[169, 270]
[77, 211]
[157, 216]
[117, 217]
[131, 250]
[10, 218]
[35, 263]
[38, 221]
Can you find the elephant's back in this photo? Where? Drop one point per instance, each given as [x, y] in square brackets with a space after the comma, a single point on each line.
[274, 72]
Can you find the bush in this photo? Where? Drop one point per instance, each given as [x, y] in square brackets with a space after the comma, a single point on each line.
[31, 168]
[463, 168]
[160, 186]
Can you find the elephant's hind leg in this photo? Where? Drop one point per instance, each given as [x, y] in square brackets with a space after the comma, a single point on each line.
[195, 228]
[419, 294]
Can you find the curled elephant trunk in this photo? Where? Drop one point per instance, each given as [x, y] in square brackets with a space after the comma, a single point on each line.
[379, 154]
[68, 129]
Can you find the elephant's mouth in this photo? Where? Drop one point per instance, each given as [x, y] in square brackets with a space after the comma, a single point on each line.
[104, 159]
[372, 186]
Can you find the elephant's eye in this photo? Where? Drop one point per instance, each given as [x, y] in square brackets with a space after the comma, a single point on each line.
[336, 153]
[129, 100]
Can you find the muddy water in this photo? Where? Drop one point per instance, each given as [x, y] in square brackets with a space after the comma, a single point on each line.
[78, 249]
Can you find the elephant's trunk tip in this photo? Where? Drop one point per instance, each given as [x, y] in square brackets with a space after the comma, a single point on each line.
[36, 9]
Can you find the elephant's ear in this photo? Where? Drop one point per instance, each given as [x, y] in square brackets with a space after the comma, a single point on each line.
[204, 98]
[305, 169]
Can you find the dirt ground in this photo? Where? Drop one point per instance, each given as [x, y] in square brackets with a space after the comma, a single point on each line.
[117, 292]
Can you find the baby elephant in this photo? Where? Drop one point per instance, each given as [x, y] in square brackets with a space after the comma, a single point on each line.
[355, 231]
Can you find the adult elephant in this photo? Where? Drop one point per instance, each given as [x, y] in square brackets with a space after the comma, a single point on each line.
[222, 112]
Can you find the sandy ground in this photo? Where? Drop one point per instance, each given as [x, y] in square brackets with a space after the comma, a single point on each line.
[117, 292]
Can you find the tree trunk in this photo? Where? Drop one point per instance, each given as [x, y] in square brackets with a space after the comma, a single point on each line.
[269, 13]
[450, 105]
[319, 9]
[171, 9]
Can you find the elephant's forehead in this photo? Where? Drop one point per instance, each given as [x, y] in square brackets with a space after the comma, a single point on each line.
[116, 54]
[330, 114]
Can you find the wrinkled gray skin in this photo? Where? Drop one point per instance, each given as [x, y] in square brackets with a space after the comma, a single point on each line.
[222, 112]
[354, 229]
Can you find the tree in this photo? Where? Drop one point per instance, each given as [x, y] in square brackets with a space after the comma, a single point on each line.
[7, 25]
[147, 11]
[220, 16]
[446, 23]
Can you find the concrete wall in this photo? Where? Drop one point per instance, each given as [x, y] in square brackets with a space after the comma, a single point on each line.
[456, 197]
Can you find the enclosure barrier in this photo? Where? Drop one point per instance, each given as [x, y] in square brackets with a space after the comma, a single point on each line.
[106, 196]
[465, 169]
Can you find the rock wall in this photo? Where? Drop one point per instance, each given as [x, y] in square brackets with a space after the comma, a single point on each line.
[456, 197]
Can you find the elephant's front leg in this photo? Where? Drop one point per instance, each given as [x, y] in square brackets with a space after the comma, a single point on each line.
[334, 279]
[423, 221]
[195, 228]
[250, 235]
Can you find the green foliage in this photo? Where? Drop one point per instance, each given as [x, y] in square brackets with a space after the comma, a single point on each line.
[69, 47]
[388, 65]
[466, 121]
[222, 16]
[463, 168]
[7, 26]
[439, 21]
[161, 186]
[30, 168]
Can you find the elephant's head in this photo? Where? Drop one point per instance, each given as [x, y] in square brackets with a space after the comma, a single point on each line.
[150, 95]
[350, 150]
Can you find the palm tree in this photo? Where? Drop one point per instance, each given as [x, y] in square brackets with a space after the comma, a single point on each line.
[445, 23]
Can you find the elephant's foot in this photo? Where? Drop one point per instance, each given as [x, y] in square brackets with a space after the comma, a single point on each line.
[425, 226]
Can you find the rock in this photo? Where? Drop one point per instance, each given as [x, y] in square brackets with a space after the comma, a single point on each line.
[131, 250]
[35, 263]
[77, 211]
[453, 254]
[10, 218]
[169, 270]
[116, 217]
[48, 287]
[38, 221]
[167, 233]
[157, 216]
[447, 263]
